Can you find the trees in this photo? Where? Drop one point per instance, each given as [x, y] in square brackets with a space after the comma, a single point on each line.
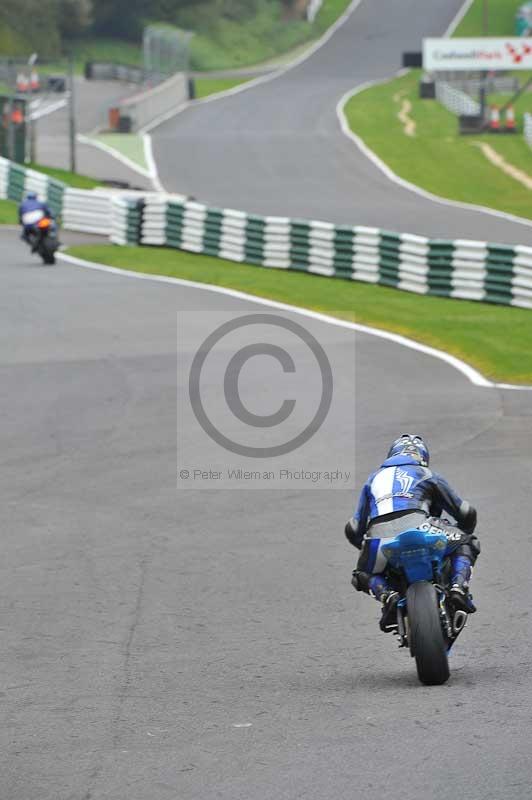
[44, 25]
[33, 24]
[126, 18]
[40, 25]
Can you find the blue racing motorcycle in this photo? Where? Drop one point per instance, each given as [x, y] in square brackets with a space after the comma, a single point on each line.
[427, 623]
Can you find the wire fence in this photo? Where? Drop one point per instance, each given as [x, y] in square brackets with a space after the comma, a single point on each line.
[455, 100]
[166, 52]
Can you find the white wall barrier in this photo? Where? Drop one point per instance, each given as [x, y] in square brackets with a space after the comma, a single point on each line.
[147, 106]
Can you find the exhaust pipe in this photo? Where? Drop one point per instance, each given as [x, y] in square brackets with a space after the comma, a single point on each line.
[459, 621]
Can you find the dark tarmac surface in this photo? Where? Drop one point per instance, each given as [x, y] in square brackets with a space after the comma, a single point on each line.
[278, 148]
[141, 624]
[144, 625]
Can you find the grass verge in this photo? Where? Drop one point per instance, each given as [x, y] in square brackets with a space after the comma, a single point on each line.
[8, 213]
[496, 340]
[70, 178]
[437, 158]
[130, 145]
[498, 14]
[207, 86]
[223, 43]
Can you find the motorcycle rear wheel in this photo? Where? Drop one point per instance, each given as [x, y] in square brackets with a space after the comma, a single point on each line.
[427, 642]
[47, 252]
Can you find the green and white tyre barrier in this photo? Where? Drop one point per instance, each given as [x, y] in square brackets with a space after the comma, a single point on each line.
[99, 211]
[16, 181]
[462, 269]
[126, 220]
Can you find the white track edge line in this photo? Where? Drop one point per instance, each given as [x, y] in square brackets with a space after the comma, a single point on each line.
[152, 164]
[110, 151]
[475, 377]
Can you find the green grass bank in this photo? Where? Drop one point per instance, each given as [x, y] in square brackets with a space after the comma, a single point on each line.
[437, 158]
[498, 14]
[8, 213]
[70, 178]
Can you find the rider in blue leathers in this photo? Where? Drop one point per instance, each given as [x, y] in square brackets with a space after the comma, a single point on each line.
[400, 495]
[27, 209]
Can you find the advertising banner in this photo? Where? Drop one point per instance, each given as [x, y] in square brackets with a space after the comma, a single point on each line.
[446, 55]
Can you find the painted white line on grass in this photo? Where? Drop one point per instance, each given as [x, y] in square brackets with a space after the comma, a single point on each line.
[499, 162]
[115, 154]
[468, 371]
[392, 176]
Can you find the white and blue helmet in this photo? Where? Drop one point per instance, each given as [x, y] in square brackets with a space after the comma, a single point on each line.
[410, 444]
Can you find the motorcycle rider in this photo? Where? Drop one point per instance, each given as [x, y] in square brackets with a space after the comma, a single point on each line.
[401, 494]
[30, 212]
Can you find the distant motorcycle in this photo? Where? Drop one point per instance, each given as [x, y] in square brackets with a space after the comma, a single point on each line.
[427, 622]
[41, 235]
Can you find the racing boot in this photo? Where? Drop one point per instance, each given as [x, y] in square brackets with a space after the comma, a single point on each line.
[459, 591]
[384, 593]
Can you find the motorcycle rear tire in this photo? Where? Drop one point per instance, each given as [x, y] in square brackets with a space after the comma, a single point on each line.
[427, 642]
[47, 253]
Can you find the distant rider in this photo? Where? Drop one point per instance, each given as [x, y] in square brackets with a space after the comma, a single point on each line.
[403, 493]
[30, 212]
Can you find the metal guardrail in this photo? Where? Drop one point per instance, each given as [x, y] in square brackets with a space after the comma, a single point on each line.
[107, 71]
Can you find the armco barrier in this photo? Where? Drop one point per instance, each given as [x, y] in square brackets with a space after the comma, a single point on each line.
[110, 71]
[462, 269]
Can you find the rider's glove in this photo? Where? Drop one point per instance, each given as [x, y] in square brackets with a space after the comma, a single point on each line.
[468, 522]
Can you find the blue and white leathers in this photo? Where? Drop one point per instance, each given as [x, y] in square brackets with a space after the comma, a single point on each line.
[400, 485]
[31, 211]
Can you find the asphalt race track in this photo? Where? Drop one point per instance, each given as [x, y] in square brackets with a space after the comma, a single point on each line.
[141, 624]
[278, 147]
[163, 643]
